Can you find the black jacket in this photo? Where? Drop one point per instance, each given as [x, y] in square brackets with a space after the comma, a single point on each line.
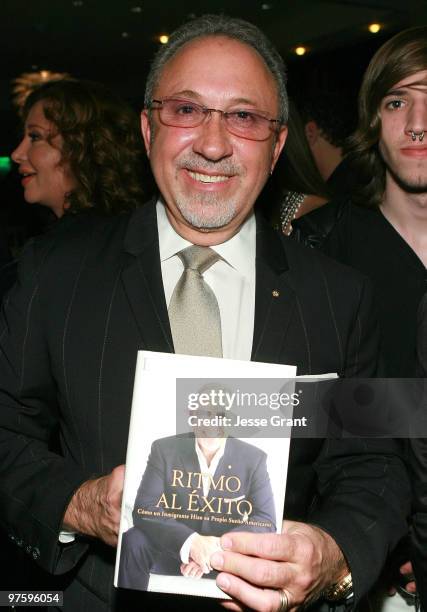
[89, 296]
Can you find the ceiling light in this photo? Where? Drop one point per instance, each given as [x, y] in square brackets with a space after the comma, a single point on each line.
[125, 34]
[77, 2]
[164, 38]
[266, 6]
[136, 9]
[374, 28]
[300, 50]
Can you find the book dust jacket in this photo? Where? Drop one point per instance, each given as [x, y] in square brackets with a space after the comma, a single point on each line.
[184, 489]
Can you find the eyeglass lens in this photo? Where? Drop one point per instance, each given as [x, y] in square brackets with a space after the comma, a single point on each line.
[245, 123]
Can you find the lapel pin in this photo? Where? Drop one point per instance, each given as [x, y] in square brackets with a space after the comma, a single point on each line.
[276, 293]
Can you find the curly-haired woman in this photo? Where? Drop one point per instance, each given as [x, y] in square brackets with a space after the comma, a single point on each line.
[81, 149]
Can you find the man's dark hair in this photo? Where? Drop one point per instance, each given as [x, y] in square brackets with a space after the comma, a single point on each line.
[335, 118]
[400, 57]
[230, 27]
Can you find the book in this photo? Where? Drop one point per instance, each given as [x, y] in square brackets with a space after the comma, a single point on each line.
[186, 484]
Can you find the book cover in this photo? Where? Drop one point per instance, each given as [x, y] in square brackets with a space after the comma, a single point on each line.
[185, 488]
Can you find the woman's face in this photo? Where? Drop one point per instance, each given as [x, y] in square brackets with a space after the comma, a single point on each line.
[45, 180]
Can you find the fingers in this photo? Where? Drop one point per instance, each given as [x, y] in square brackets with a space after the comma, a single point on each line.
[118, 474]
[406, 568]
[411, 587]
[263, 572]
[191, 570]
[229, 604]
[202, 547]
[277, 547]
[262, 600]
[303, 560]
[114, 491]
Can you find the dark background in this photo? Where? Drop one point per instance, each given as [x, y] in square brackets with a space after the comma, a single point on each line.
[113, 40]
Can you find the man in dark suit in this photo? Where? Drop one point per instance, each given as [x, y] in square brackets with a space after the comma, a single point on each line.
[96, 290]
[174, 546]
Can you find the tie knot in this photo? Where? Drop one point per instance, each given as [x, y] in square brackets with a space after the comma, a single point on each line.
[198, 258]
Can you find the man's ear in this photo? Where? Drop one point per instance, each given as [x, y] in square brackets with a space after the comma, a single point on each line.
[146, 131]
[278, 145]
[312, 132]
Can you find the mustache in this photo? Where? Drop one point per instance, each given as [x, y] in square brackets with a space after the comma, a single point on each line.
[222, 166]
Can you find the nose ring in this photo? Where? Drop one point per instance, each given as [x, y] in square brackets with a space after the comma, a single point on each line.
[415, 134]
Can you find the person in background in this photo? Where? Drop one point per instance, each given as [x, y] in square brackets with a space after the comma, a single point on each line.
[382, 231]
[329, 118]
[81, 149]
[296, 187]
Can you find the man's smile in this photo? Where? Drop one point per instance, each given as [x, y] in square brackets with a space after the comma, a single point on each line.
[208, 178]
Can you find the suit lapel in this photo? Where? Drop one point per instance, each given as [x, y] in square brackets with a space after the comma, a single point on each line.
[142, 280]
[274, 296]
[143, 285]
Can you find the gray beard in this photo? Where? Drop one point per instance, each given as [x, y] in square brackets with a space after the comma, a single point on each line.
[206, 211]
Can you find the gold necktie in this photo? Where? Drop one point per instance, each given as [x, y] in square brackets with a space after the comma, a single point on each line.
[193, 310]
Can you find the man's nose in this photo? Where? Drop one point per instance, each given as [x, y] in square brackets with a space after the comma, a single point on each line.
[417, 117]
[214, 141]
[20, 153]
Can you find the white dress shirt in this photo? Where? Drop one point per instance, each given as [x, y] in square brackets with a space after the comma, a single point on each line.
[232, 279]
[208, 472]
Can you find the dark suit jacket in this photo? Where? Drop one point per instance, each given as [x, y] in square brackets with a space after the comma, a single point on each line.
[422, 337]
[418, 463]
[241, 460]
[89, 295]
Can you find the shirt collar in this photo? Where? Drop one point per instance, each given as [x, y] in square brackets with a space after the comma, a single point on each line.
[219, 453]
[238, 252]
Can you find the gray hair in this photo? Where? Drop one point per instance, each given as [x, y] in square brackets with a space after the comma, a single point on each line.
[221, 25]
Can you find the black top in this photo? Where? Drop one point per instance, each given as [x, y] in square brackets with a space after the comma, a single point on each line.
[418, 467]
[345, 179]
[365, 240]
[422, 337]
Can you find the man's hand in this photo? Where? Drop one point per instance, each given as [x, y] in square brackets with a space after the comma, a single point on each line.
[411, 587]
[302, 561]
[191, 570]
[94, 508]
[202, 547]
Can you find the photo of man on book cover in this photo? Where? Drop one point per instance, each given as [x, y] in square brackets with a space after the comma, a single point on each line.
[195, 488]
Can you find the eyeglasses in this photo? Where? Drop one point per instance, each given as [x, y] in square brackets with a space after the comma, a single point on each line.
[186, 114]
